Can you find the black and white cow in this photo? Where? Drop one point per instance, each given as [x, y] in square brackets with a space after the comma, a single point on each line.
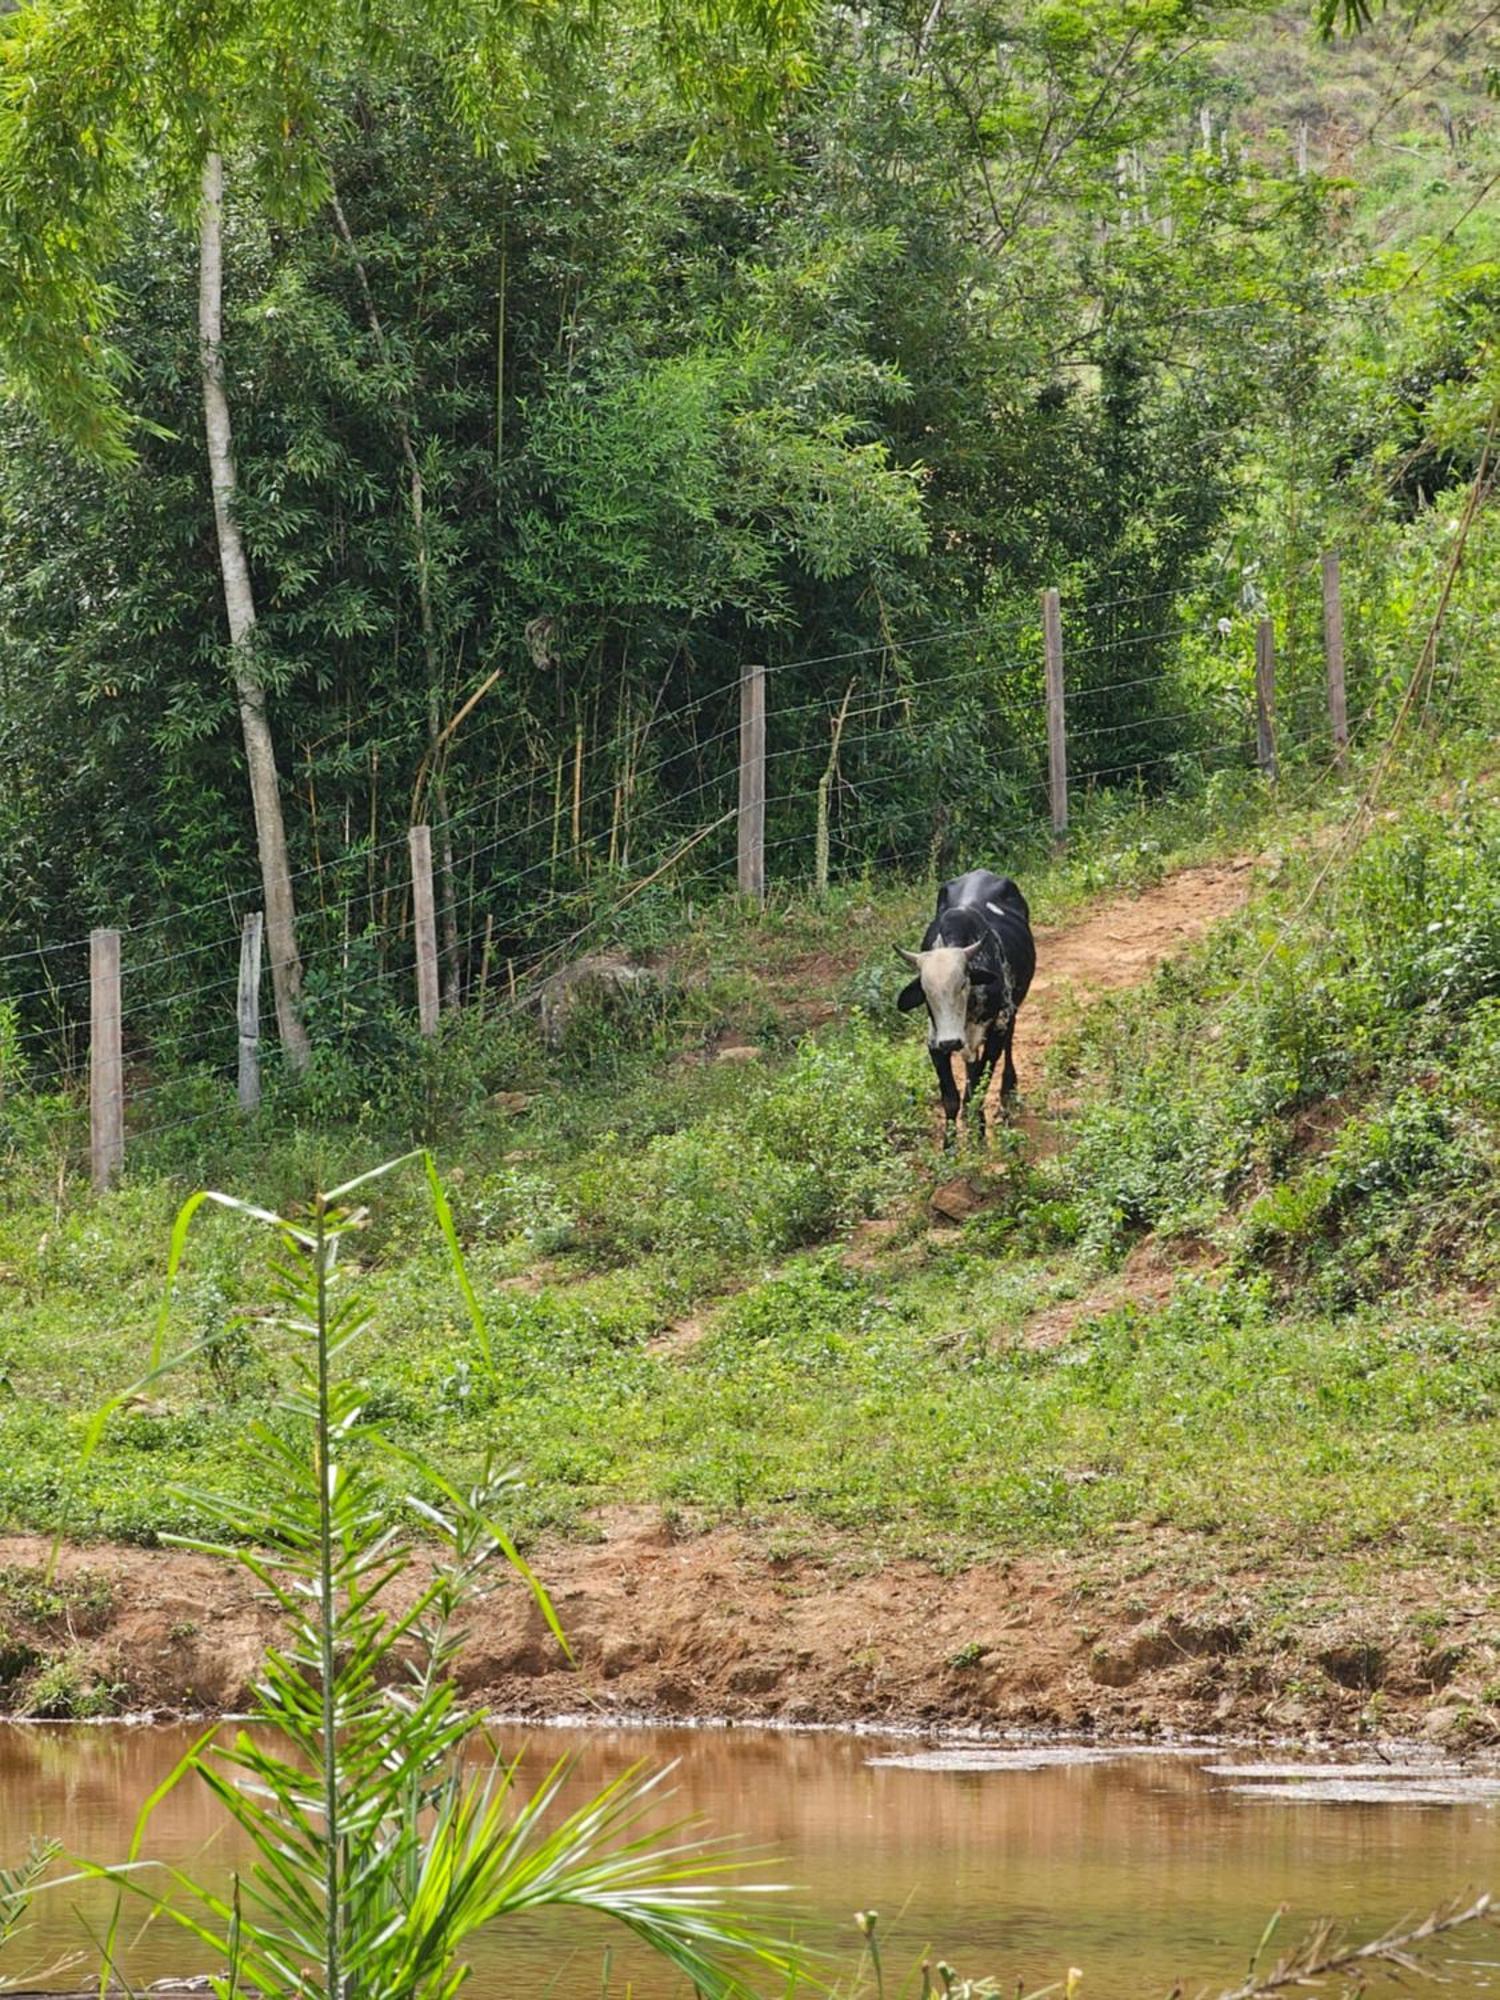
[973, 972]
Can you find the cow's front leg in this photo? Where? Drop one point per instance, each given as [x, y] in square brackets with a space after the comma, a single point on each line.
[948, 1091]
[974, 1097]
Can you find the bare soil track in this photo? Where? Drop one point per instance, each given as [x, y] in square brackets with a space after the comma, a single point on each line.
[1161, 1633]
[1120, 942]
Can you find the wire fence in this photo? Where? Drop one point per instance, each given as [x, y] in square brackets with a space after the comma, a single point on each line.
[522, 892]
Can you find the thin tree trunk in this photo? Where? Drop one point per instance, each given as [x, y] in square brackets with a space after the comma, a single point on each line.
[239, 603]
[416, 497]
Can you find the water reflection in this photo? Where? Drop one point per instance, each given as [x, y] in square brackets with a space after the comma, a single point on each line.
[1139, 1868]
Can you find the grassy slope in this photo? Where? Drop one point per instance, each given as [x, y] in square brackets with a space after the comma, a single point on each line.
[582, 1268]
[674, 1320]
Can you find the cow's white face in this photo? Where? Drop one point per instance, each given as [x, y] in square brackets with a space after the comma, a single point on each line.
[944, 973]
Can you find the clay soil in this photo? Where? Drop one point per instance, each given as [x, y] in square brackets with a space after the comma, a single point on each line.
[1158, 1634]
[1158, 1637]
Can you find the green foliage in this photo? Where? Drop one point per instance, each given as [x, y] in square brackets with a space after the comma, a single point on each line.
[71, 1603]
[811, 1151]
[18, 1887]
[702, 485]
[92, 88]
[67, 1689]
[1348, 1065]
[677, 409]
[379, 1849]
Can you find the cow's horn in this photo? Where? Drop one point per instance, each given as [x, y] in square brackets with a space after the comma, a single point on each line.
[970, 949]
[913, 959]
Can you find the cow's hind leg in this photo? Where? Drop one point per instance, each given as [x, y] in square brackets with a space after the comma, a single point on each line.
[948, 1091]
[978, 1075]
[1008, 1077]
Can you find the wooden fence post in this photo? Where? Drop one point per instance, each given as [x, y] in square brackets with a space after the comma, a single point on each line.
[1057, 726]
[1265, 698]
[752, 828]
[1333, 648]
[482, 994]
[106, 1077]
[249, 1009]
[424, 928]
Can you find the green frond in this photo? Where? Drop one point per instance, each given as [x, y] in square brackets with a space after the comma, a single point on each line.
[376, 1853]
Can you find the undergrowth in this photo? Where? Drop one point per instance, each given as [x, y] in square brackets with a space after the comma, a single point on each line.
[1333, 1084]
[1307, 1105]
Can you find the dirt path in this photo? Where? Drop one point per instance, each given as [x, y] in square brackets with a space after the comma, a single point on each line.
[1124, 939]
[1120, 943]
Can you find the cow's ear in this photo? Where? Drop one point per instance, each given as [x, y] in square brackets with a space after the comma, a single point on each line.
[910, 996]
[980, 975]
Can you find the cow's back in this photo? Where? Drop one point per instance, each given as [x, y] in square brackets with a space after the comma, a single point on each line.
[984, 907]
[982, 889]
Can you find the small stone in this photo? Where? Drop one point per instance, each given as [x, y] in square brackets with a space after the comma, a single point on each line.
[511, 1103]
[1470, 1727]
[755, 1677]
[955, 1201]
[147, 1406]
[601, 980]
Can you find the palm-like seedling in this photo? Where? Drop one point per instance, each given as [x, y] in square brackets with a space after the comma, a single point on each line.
[379, 1847]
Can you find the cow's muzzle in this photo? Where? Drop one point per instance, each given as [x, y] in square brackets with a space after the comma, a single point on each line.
[948, 1048]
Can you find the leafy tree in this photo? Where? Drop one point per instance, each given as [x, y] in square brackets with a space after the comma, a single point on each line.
[539, 443]
[99, 93]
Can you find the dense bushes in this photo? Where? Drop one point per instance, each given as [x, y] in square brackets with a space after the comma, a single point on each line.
[676, 414]
[810, 1151]
[1336, 1073]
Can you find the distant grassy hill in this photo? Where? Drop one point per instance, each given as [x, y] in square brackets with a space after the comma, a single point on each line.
[1403, 111]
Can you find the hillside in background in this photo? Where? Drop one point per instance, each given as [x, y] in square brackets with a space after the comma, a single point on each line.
[1411, 86]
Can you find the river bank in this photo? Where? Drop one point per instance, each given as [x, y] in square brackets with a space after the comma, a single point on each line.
[1160, 1637]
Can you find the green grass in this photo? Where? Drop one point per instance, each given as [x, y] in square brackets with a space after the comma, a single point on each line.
[1313, 1091]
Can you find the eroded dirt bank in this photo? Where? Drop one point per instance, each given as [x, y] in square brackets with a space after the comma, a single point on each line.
[1167, 1637]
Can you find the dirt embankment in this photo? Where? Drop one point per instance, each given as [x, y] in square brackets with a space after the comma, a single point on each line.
[1157, 1639]
[1160, 1634]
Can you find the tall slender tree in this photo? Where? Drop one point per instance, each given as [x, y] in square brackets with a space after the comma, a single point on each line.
[239, 604]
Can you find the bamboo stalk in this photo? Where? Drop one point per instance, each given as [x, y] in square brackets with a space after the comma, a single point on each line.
[372, 870]
[557, 798]
[578, 788]
[500, 353]
[825, 788]
[484, 964]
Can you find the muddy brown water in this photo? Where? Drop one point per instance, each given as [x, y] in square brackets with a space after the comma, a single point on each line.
[1140, 1868]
